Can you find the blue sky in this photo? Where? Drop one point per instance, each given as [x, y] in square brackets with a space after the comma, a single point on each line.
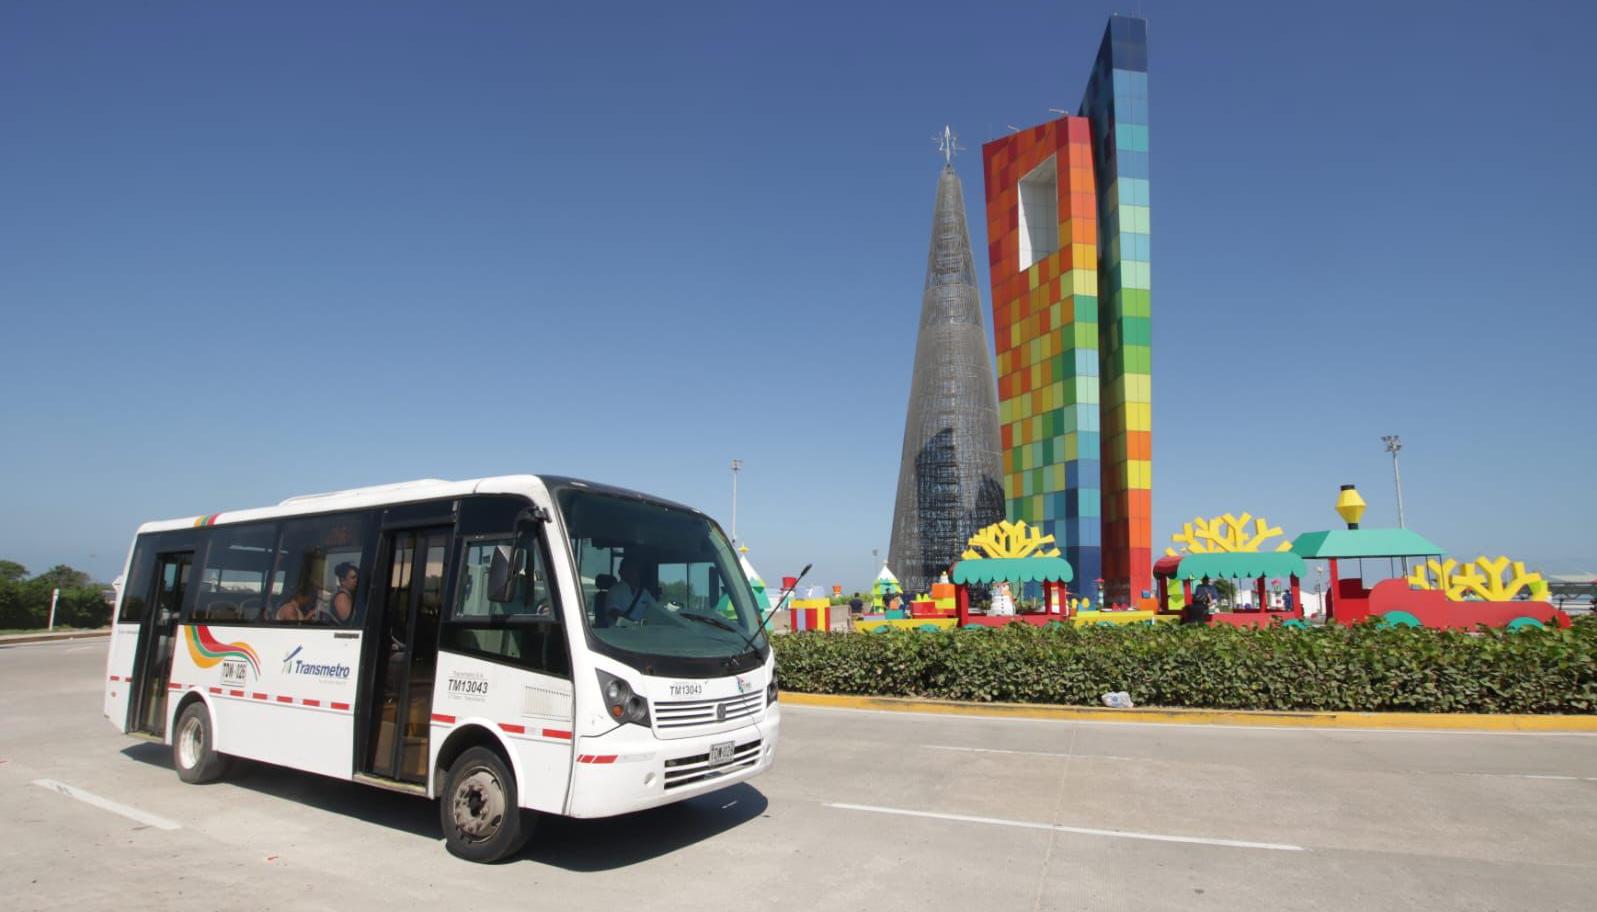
[253, 250]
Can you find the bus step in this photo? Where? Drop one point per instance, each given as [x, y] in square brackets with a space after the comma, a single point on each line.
[393, 785]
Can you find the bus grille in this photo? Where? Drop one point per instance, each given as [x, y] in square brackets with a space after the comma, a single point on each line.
[692, 713]
[688, 770]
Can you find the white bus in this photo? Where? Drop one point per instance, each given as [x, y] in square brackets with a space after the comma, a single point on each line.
[508, 646]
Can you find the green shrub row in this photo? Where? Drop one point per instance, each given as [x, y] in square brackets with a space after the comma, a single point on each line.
[25, 603]
[1367, 667]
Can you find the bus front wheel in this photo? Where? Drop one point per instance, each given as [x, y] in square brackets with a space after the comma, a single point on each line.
[481, 818]
[193, 752]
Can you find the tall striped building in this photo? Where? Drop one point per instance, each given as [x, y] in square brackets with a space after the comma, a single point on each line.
[1067, 232]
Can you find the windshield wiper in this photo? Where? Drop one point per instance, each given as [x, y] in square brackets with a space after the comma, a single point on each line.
[722, 623]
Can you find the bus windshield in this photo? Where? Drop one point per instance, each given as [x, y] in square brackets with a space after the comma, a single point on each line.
[662, 588]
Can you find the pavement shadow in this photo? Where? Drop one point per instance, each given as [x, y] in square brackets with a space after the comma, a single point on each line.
[574, 845]
[394, 810]
[617, 842]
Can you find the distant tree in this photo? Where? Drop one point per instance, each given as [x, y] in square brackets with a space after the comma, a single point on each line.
[25, 603]
[63, 577]
[1227, 590]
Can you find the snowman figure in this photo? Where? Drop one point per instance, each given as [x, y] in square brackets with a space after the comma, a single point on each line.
[1003, 603]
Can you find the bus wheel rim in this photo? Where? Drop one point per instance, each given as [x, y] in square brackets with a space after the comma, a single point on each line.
[478, 805]
[188, 743]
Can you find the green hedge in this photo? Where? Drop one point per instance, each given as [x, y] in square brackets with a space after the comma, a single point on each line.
[1367, 667]
[25, 603]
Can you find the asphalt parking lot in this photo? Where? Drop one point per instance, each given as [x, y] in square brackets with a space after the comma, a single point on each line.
[870, 811]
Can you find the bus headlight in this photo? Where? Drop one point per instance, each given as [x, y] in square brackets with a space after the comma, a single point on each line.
[770, 691]
[620, 702]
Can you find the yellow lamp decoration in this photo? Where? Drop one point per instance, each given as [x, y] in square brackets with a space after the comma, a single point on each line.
[1226, 533]
[1005, 539]
[1350, 506]
[1492, 579]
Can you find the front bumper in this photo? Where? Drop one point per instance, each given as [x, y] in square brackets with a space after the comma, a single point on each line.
[631, 770]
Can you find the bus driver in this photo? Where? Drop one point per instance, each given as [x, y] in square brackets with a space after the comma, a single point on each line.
[628, 598]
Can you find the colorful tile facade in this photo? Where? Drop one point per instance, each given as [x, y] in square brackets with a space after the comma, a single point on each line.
[1045, 324]
[1071, 320]
[1116, 103]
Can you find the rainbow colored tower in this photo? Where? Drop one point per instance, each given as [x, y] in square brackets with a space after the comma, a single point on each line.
[1067, 229]
[1042, 246]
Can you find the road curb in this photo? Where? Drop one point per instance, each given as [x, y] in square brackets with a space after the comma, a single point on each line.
[1251, 718]
[14, 639]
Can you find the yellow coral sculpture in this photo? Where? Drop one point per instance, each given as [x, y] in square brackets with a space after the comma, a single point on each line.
[1494, 579]
[1009, 539]
[1225, 533]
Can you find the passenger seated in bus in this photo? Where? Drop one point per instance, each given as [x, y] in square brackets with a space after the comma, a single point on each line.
[301, 608]
[307, 607]
[628, 598]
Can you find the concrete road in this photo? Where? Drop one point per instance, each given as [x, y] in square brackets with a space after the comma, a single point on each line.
[869, 811]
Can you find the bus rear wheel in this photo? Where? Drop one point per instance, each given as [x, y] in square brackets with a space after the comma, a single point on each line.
[481, 817]
[193, 749]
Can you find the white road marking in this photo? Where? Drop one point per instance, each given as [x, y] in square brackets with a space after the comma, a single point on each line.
[1055, 754]
[996, 717]
[106, 804]
[1063, 756]
[1080, 831]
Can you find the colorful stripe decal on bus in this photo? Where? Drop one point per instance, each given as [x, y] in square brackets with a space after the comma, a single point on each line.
[208, 652]
[206, 520]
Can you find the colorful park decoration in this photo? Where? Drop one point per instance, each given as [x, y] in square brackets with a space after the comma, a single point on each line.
[1225, 547]
[933, 612]
[886, 584]
[1225, 533]
[1434, 592]
[1003, 554]
[762, 597]
[1008, 553]
[997, 557]
[1489, 579]
[1260, 567]
[814, 613]
[1437, 593]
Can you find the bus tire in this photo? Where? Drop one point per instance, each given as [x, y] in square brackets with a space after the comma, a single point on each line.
[194, 755]
[478, 808]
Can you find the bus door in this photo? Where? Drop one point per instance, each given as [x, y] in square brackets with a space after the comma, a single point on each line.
[410, 597]
[157, 638]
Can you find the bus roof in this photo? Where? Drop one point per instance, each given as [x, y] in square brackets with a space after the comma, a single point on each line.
[355, 498]
[396, 493]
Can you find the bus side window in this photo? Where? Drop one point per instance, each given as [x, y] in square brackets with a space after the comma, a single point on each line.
[232, 582]
[137, 584]
[318, 578]
[526, 629]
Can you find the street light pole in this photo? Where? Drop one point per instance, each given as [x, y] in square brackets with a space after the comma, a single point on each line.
[737, 464]
[1393, 444]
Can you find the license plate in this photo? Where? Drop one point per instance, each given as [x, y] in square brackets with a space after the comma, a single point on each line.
[721, 754]
[233, 672]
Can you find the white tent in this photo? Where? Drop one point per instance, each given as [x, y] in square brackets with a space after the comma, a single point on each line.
[762, 595]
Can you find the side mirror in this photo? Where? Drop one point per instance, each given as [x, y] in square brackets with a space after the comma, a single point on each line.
[502, 574]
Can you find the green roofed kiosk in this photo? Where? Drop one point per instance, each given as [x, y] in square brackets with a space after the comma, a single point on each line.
[1259, 566]
[1348, 600]
[1011, 553]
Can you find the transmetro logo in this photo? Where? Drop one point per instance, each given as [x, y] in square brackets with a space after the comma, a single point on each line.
[294, 665]
[208, 652]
